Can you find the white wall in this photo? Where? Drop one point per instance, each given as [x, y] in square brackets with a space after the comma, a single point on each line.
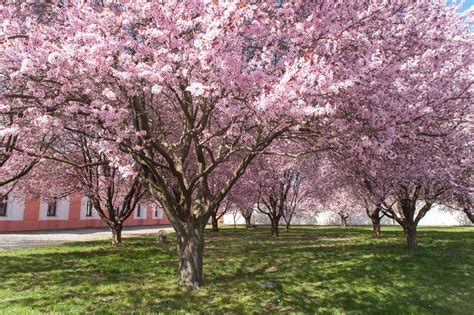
[439, 215]
[436, 216]
[229, 218]
[15, 209]
[62, 210]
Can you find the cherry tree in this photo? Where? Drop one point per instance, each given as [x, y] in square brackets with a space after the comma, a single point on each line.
[244, 196]
[374, 212]
[299, 192]
[410, 139]
[247, 213]
[219, 212]
[279, 186]
[343, 202]
[370, 195]
[76, 165]
[406, 185]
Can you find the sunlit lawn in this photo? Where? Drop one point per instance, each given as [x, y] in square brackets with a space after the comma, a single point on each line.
[309, 269]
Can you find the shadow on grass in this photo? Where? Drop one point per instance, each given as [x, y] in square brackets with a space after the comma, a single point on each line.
[312, 269]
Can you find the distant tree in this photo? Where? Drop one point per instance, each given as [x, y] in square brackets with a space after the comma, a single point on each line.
[76, 166]
[219, 212]
[375, 214]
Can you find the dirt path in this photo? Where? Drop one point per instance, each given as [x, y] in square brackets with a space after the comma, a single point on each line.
[37, 238]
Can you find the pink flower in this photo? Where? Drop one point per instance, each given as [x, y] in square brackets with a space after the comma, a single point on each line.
[156, 89]
[198, 89]
[109, 94]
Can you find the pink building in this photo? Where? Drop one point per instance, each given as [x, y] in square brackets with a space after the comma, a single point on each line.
[28, 214]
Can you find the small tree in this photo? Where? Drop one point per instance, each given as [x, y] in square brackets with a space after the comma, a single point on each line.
[375, 215]
[247, 215]
[274, 191]
[409, 208]
[218, 213]
[298, 193]
[235, 213]
[83, 169]
[344, 216]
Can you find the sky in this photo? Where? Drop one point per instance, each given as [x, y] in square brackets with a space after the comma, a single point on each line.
[467, 4]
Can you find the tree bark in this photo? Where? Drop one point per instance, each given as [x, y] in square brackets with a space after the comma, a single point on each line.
[469, 214]
[344, 220]
[116, 234]
[248, 223]
[215, 224]
[287, 226]
[275, 232]
[376, 227]
[410, 232]
[191, 250]
[375, 218]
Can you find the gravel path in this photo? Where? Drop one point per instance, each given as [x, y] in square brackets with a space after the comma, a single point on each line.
[38, 238]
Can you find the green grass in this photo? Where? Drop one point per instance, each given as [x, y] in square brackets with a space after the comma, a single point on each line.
[317, 269]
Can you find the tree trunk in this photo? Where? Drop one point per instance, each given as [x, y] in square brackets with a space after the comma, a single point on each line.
[376, 227]
[247, 221]
[116, 234]
[343, 220]
[287, 226]
[410, 232]
[375, 218]
[275, 232]
[469, 214]
[191, 251]
[215, 224]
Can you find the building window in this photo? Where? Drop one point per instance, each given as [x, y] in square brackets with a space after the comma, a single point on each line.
[89, 209]
[139, 211]
[158, 213]
[3, 206]
[52, 207]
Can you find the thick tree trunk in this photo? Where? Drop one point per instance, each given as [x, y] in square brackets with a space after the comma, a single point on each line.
[116, 234]
[191, 251]
[287, 226]
[275, 232]
[215, 224]
[247, 221]
[469, 214]
[410, 232]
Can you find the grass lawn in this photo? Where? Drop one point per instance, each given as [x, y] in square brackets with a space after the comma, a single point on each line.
[309, 269]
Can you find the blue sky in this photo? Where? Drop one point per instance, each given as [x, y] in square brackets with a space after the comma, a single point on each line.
[467, 4]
